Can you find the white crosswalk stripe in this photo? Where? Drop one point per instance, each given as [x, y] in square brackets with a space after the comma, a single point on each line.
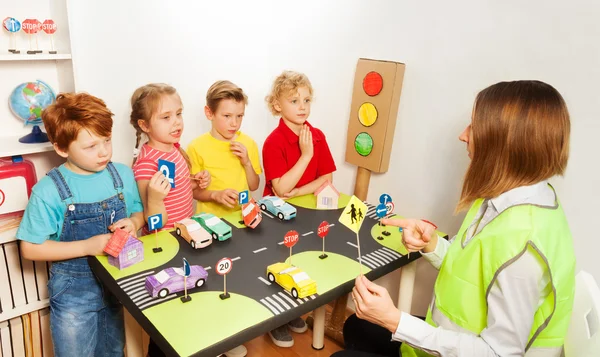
[289, 299]
[283, 300]
[157, 301]
[370, 263]
[389, 255]
[276, 297]
[381, 256]
[375, 258]
[121, 282]
[272, 302]
[273, 310]
[393, 252]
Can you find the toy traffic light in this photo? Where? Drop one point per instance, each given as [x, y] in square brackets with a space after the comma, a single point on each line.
[373, 113]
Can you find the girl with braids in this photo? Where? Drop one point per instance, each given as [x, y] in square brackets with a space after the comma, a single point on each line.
[156, 112]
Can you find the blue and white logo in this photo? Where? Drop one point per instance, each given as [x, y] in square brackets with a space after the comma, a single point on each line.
[168, 169]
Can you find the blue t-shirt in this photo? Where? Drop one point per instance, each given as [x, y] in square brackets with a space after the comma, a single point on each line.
[45, 212]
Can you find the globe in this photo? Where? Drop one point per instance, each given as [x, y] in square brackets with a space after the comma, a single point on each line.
[27, 101]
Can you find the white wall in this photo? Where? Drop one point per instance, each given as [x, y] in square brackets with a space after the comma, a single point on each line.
[451, 50]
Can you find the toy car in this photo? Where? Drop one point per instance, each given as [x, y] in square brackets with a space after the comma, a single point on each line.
[292, 279]
[277, 207]
[193, 233]
[213, 225]
[170, 280]
[251, 214]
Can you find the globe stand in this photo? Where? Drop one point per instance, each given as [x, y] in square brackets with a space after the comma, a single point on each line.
[36, 136]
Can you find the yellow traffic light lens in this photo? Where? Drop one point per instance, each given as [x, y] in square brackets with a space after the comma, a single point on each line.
[367, 114]
[363, 144]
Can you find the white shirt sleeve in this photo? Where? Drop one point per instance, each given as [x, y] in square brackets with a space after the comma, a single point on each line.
[436, 257]
[516, 294]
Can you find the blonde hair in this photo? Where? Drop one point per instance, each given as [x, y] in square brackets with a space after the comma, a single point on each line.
[221, 90]
[520, 133]
[285, 84]
[145, 102]
[73, 112]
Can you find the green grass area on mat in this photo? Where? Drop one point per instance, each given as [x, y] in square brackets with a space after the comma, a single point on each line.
[205, 319]
[310, 201]
[234, 218]
[168, 243]
[318, 269]
[394, 240]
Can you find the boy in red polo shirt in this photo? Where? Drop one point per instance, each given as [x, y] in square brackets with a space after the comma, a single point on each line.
[296, 158]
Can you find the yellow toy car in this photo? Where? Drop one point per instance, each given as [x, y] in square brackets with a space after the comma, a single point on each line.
[292, 279]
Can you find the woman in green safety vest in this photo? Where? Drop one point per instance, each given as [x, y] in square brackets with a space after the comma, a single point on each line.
[506, 281]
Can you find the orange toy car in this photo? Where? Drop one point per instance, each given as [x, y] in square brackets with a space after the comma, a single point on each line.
[251, 213]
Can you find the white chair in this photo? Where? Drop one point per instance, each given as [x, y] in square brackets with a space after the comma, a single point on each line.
[583, 336]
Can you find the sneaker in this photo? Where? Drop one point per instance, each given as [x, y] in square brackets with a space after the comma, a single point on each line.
[297, 325]
[239, 351]
[281, 337]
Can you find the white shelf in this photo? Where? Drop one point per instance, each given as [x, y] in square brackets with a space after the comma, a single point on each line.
[10, 146]
[23, 56]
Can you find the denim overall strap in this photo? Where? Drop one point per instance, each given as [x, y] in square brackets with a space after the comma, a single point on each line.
[60, 183]
[115, 176]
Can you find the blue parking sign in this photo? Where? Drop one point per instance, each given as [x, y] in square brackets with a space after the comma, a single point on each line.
[155, 222]
[243, 197]
[168, 169]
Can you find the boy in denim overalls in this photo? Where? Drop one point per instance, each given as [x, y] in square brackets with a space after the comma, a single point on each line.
[70, 215]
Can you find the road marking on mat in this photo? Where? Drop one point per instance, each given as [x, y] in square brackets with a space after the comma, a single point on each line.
[352, 244]
[259, 250]
[305, 234]
[264, 280]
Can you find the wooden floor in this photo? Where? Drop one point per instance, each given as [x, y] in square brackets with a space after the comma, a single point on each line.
[263, 347]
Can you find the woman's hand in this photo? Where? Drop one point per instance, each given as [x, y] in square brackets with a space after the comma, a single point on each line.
[374, 304]
[416, 234]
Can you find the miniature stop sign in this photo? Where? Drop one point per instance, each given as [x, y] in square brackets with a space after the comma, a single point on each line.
[290, 239]
[323, 229]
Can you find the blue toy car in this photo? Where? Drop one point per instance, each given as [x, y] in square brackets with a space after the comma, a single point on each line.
[277, 207]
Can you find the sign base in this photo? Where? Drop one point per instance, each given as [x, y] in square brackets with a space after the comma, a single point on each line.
[157, 250]
[323, 256]
[186, 299]
[224, 296]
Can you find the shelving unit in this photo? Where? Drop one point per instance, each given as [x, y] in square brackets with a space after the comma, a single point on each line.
[10, 146]
[36, 57]
[28, 292]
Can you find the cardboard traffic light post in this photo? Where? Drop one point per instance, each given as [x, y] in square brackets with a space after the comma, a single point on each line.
[371, 126]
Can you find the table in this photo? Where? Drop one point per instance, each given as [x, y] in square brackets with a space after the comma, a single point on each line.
[208, 325]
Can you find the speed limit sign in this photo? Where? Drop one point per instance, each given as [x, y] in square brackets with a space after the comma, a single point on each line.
[223, 266]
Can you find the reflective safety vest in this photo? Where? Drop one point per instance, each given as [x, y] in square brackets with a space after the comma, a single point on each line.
[470, 269]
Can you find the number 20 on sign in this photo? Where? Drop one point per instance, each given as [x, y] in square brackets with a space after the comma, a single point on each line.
[289, 240]
[223, 267]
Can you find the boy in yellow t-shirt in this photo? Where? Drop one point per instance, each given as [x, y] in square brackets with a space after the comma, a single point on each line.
[231, 157]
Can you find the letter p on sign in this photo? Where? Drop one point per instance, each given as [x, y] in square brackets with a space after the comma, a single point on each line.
[155, 222]
[243, 197]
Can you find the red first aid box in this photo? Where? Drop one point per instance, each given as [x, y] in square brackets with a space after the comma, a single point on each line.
[17, 177]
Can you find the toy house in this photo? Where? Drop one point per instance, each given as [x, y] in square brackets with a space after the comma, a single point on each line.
[327, 196]
[131, 252]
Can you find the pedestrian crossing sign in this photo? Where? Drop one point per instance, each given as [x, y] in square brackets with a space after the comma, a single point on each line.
[354, 214]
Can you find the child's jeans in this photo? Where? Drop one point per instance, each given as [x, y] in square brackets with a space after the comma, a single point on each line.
[84, 320]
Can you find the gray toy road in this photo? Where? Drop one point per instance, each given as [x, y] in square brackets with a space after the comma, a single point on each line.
[253, 250]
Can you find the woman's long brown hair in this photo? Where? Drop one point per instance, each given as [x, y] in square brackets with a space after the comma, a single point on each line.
[520, 133]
